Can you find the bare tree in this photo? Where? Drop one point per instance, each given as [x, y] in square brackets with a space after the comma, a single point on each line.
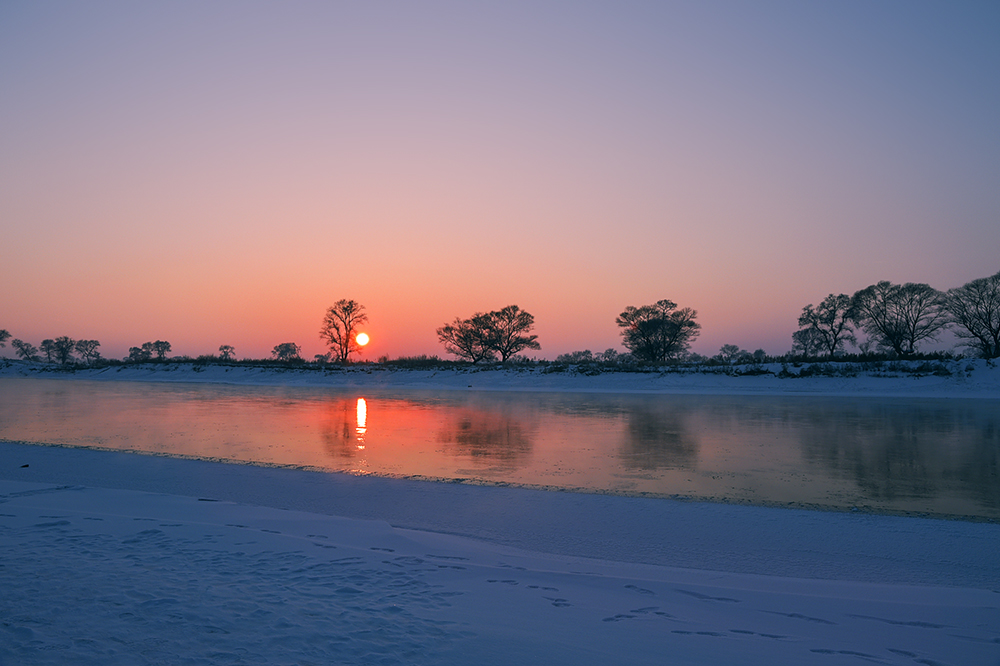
[807, 341]
[484, 336]
[62, 349]
[4, 336]
[161, 348]
[137, 355]
[340, 328]
[508, 332]
[466, 338]
[827, 327]
[26, 351]
[140, 354]
[897, 317]
[286, 351]
[48, 347]
[585, 356]
[227, 352]
[732, 354]
[974, 308]
[658, 333]
[87, 349]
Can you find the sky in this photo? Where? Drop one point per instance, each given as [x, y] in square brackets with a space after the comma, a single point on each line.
[221, 173]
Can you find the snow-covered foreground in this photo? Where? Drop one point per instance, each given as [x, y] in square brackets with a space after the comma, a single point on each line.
[114, 558]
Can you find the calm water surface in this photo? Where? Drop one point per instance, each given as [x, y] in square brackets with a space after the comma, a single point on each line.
[939, 457]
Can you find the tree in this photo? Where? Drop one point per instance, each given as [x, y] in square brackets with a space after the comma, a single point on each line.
[484, 336]
[467, 338]
[340, 328]
[48, 347]
[63, 349]
[825, 328]
[26, 351]
[658, 333]
[731, 353]
[227, 352]
[897, 317]
[4, 335]
[974, 308]
[286, 351]
[585, 356]
[140, 354]
[807, 341]
[87, 349]
[161, 348]
[508, 332]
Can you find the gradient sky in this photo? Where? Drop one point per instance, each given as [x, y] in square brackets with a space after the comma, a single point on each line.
[220, 173]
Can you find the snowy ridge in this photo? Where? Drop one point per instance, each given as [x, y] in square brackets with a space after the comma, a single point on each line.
[968, 378]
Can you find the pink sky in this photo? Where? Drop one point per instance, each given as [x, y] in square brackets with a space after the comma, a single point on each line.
[221, 174]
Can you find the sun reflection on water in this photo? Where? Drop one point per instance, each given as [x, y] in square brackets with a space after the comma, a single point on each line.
[362, 422]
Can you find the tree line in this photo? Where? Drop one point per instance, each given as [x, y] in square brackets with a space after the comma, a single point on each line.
[895, 318]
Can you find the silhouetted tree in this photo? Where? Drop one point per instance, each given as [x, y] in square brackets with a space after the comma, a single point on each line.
[467, 338]
[975, 310]
[731, 354]
[484, 336]
[658, 333]
[585, 356]
[227, 352]
[48, 347]
[26, 351]
[508, 332]
[825, 328]
[161, 348]
[87, 349]
[340, 328]
[897, 317]
[807, 341]
[4, 336]
[286, 351]
[62, 349]
[140, 354]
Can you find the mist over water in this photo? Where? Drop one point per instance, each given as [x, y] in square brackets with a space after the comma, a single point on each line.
[939, 457]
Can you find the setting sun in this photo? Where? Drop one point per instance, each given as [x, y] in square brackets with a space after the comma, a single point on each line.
[362, 339]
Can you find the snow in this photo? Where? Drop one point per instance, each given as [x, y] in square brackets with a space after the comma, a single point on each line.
[967, 378]
[114, 558]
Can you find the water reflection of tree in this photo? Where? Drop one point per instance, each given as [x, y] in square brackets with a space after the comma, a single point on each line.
[493, 436]
[658, 439]
[339, 428]
[900, 451]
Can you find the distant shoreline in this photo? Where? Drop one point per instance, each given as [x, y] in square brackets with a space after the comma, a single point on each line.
[965, 378]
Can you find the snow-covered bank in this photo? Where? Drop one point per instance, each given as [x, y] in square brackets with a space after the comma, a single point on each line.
[968, 378]
[291, 567]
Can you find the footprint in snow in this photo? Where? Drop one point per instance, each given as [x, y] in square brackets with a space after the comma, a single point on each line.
[800, 616]
[706, 597]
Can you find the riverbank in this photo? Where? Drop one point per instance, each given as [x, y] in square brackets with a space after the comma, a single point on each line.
[967, 378]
